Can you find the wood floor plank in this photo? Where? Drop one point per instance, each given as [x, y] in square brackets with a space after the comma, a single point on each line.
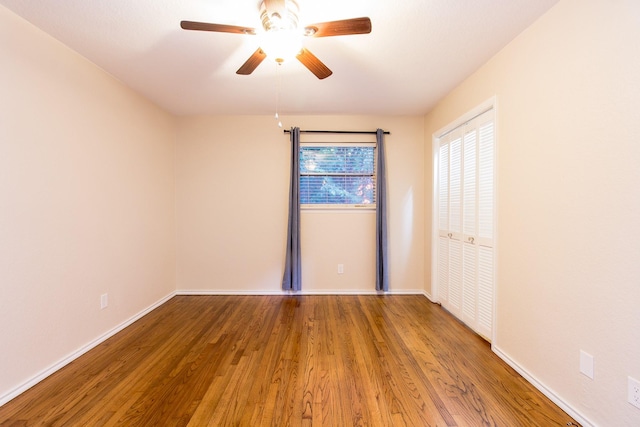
[288, 360]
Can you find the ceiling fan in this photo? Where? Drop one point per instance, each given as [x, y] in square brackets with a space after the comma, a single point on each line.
[280, 23]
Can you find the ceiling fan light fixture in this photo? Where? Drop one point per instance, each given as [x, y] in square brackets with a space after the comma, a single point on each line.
[281, 45]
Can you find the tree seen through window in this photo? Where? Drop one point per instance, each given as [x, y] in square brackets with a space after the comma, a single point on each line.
[342, 175]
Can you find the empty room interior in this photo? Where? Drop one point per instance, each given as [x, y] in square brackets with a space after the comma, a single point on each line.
[146, 184]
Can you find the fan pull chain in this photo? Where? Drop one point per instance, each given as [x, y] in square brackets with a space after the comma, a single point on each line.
[277, 117]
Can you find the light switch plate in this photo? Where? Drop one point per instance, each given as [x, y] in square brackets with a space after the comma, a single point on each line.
[634, 392]
[586, 364]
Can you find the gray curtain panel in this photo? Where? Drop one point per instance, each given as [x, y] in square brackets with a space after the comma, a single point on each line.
[382, 270]
[292, 280]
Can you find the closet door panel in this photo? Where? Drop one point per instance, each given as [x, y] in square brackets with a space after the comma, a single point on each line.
[455, 277]
[455, 187]
[486, 184]
[443, 270]
[485, 291]
[443, 189]
[469, 285]
[470, 190]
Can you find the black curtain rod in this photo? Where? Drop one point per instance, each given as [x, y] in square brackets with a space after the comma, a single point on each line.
[339, 131]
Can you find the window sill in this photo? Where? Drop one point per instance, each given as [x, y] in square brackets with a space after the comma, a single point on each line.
[355, 208]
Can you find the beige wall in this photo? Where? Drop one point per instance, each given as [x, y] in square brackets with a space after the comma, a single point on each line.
[568, 92]
[232, 183]
[86, 202]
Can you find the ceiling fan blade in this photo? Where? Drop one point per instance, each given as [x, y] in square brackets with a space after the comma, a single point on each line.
[314, 65]
[220, 28]
[339, 28]
[252, 63]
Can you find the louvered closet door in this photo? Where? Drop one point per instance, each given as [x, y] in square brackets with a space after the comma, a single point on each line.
[443, 222]
[485, 239]
[470, 215]
[465, 222]
[450, 222]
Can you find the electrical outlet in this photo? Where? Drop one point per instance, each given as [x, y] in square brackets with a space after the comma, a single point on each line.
[104, 301]
[340, 268]
[634, 392]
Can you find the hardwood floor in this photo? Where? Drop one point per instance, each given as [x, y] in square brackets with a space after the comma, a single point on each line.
[288, 360]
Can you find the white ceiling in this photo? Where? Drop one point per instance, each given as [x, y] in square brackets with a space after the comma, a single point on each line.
[417, 52]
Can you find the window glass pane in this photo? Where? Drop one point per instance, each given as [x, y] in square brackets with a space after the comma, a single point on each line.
[337, 175]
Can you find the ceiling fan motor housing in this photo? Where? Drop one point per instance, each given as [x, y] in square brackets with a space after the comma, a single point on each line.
[279, 15]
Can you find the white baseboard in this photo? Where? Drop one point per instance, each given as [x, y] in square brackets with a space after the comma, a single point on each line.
[544, 389]
[73, 356]
[217, 292]
[429, 297]
[303, 292]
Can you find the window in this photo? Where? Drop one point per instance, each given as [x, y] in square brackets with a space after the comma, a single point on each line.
[337, 175]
